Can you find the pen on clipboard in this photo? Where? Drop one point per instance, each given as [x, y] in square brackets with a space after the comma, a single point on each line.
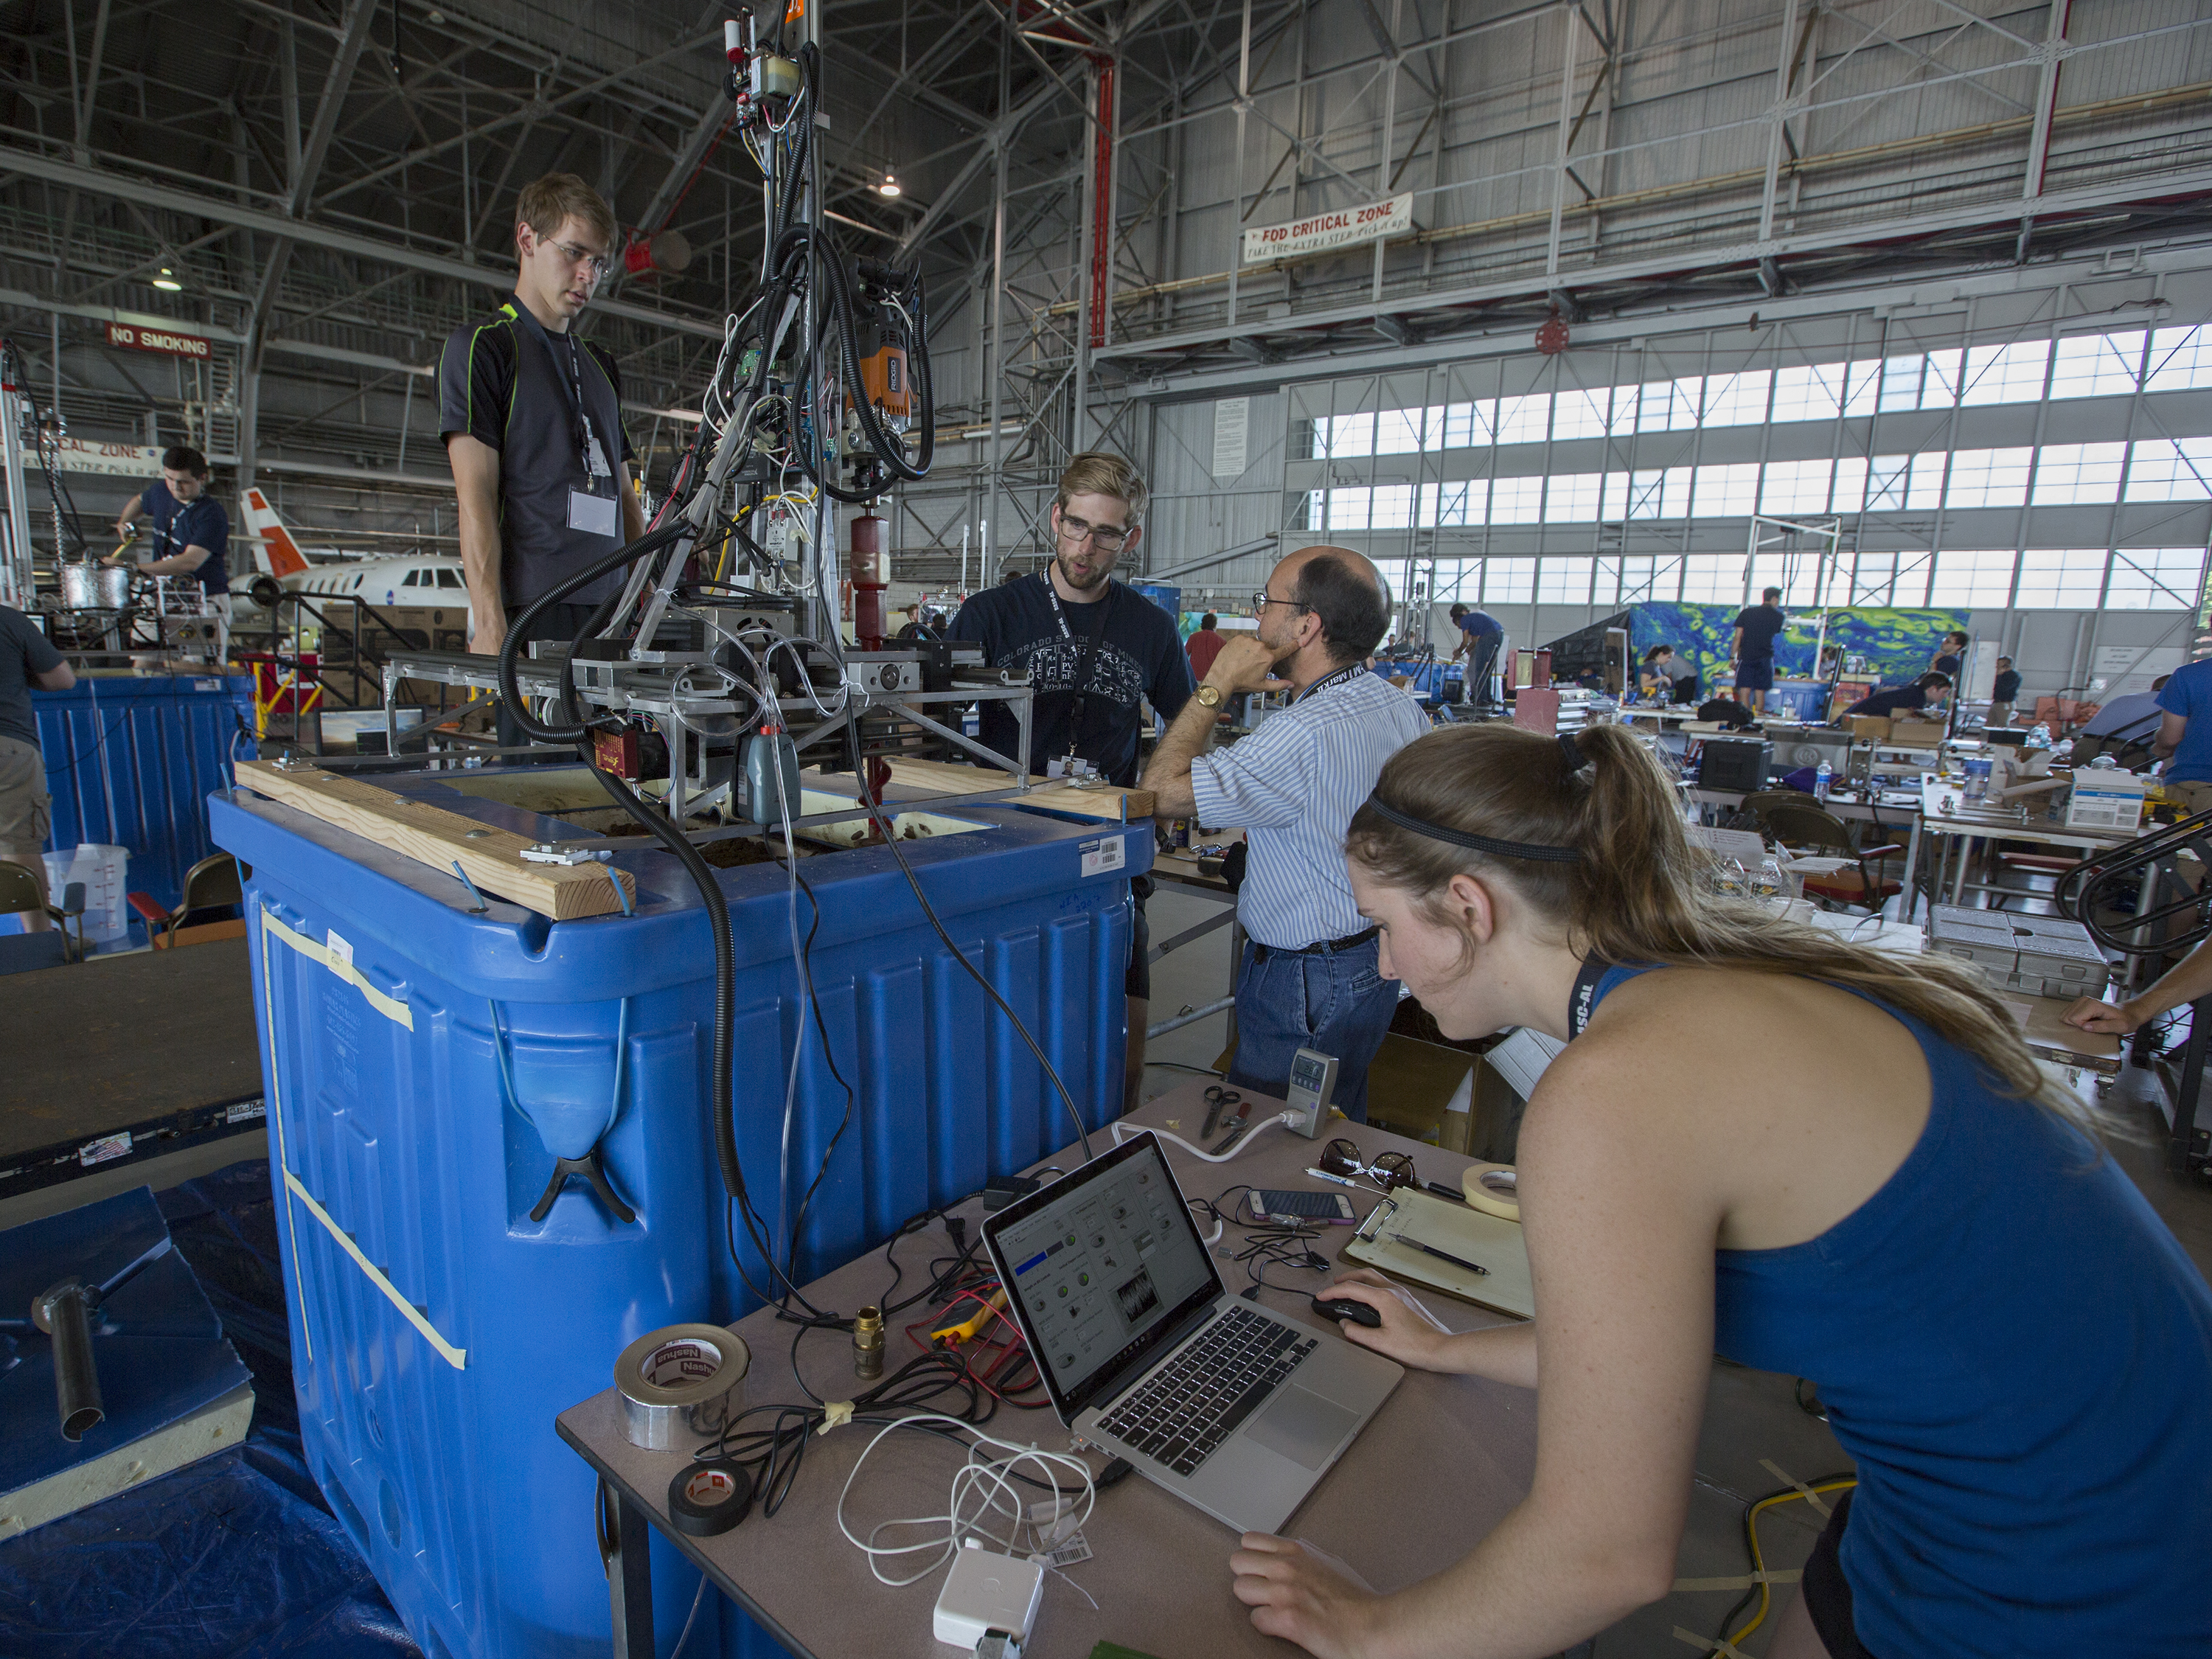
[1441, 1255]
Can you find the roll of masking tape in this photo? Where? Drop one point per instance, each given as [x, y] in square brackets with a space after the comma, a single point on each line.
[681, 1384]
[1492, 1189]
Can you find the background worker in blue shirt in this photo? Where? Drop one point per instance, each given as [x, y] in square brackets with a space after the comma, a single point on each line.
[191, 532]
[1752, 649]
[1479, 635]
[2184, 735]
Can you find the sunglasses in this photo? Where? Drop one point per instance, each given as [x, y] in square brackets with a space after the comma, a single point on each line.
[1389, 1170]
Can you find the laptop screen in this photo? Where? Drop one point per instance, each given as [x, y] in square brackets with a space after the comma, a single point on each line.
[1101, 1265]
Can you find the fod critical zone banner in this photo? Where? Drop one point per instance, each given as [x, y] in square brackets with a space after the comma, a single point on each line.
[1317, 233]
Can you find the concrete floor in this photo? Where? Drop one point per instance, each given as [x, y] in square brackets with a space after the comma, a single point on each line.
[1751, 1416]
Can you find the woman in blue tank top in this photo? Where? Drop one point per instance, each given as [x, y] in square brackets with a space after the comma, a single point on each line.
[1855, 1172]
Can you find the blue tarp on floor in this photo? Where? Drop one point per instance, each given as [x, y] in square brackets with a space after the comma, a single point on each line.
[236, 1555]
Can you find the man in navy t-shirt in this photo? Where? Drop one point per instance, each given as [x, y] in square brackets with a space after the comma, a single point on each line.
[2184, 735]
[1752, 650]
[1093, 651]
[191, 532]
[1479, 634]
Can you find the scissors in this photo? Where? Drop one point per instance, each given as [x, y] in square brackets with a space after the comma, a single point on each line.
[1217, 1096]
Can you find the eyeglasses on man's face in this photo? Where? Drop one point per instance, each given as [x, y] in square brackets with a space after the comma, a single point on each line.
[1262, 599]
[596, 263]
[1109, 537]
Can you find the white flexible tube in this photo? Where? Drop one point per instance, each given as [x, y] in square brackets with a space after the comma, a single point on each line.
[1283, 1120]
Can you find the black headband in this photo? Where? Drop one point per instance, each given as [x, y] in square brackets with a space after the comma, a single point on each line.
[1508, 849]
[1572, 750]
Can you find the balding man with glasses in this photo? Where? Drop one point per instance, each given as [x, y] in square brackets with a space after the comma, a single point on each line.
[1094, 652]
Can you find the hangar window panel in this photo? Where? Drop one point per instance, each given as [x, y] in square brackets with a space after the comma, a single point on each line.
[1524, 420]
[1391, 507]
[2010, 374]
[1814, 391]
[1650, 580]
[1874, 579]
[2096, 365]
[1465, 426]
[1509, 581]
[1989, 478]
[2170, 470]
[2180, 359]
[1712, 579]
[1564, 580]
[1583, 412]
[1574, 498]
[1729, 490]
[1398, 431]
[2155, 579]
[1348, 508]
[2079, 475]
[1939, 383]
[1797, 574]
[1979, 579]
[1738, 399]
[1517, 500]
[2059, 579]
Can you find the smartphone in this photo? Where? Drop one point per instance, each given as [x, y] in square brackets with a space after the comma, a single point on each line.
[1331, 1209]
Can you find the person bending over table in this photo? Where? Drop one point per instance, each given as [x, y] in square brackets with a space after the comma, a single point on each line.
[1903, 699]
[2014, 1350]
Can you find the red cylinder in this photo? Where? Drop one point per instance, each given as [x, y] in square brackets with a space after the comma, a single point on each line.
[871, 568]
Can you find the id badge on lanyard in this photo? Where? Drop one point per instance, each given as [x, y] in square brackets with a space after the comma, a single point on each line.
[589, 510]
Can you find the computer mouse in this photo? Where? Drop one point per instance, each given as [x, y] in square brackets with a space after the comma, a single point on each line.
[1345, 1307]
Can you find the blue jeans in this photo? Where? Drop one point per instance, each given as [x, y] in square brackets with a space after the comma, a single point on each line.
[1333, 1002]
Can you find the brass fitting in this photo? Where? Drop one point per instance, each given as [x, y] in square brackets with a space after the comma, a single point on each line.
[868, 1343]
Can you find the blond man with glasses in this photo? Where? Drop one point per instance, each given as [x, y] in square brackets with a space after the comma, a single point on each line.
[1095, 651]
[532, 423]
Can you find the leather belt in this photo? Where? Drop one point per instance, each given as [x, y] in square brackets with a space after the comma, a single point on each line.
[1326, 947]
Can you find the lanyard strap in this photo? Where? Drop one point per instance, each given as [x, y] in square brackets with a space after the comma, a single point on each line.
[169, 535]
[1344, 676]
[1085, 650]
[572, 386]
[1594, 969]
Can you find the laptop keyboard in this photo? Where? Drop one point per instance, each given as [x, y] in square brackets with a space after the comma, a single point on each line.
[1197, 1401]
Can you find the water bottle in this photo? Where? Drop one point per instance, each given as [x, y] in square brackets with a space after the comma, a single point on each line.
[1770, 882]
[2103, 763]
[1978, 768]
[1823, 777]
[2039, 738]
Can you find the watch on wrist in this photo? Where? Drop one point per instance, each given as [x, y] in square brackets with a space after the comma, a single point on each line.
[1209, 696]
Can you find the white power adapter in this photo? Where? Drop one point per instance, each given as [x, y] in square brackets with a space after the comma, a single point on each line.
[985, 1595]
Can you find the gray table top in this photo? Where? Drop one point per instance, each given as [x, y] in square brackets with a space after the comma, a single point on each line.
[102, 1045]
[1444, 1461]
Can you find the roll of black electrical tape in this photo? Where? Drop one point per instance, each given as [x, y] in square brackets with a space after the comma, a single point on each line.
[710, 1497]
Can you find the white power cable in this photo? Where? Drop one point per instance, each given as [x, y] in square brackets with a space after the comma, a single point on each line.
[980, 1490]
[1285, 1120]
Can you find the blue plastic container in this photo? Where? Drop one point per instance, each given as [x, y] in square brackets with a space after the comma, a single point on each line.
[130, 760]
[436, 1329]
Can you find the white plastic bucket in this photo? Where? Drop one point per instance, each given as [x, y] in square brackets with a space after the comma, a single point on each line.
[103, 870]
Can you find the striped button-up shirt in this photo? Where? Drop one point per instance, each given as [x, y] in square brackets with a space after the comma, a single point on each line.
[1292, 787]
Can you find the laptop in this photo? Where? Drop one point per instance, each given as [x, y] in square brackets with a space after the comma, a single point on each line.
[1228, 1405]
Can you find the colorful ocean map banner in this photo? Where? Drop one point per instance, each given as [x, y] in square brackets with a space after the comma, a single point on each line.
[1898, 643]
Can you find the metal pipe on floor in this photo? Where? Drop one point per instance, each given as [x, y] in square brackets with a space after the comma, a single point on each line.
[1190, 1018]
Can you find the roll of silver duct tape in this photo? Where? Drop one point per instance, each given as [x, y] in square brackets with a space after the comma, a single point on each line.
[680, 1384]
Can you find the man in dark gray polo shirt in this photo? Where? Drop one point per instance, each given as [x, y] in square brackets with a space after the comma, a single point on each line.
[532, 423]
[27, 659]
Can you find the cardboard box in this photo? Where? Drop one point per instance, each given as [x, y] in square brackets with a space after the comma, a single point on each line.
[1868, 728]
[1919, 733]
[2105, 797]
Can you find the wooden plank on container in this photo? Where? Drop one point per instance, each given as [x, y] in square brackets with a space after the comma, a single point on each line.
[943, 777]
[432, 835]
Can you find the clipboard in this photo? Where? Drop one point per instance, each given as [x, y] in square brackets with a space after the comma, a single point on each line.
[1496, 1243]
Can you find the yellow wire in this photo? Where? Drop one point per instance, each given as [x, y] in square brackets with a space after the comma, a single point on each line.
[1759, 1559]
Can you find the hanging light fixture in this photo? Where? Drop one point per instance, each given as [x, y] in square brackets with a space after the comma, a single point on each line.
[167, 282]
[889, 186]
